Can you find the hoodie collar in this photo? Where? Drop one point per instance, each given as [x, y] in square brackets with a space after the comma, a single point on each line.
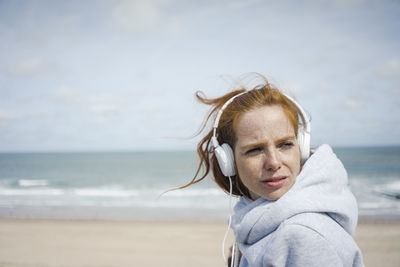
[321, 187]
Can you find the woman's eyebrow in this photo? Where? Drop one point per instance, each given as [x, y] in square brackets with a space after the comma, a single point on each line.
[251, 145]
[257, 144]
[286, 138]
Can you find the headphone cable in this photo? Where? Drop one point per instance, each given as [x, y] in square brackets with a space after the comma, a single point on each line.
[234, 248]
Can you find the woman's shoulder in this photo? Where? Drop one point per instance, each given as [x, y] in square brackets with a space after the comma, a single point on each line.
[298, 244]
[307, 233]
[305, 226]
[319, 223]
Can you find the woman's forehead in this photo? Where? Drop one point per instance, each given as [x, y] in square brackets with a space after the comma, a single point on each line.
[269, 121]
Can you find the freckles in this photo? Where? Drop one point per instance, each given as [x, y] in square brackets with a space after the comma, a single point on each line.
[247, 169]
[255, 168]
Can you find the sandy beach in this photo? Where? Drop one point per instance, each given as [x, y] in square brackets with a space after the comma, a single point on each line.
[64, 243]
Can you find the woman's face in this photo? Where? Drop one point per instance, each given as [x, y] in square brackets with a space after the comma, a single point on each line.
[267, 154]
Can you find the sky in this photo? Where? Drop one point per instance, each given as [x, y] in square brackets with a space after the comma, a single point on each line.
[122, 75]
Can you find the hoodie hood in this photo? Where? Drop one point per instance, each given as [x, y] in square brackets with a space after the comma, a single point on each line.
[321, 187]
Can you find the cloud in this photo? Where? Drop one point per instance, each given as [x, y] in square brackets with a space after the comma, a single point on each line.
[395, 94]
[103, 109]
[352, 103]
[67, 94]
[137, 15]
[29, 67]
[6, 115]
[107, 107]
[390, 68]
[348, 3]
[238, 4]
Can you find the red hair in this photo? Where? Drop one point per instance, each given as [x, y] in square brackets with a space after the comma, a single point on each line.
[259, 96]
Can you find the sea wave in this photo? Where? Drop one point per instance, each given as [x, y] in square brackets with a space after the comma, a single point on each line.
[108, 191]
[31, 192]
[113, 196]
[393, 186]
[30, 182]
[374, 196]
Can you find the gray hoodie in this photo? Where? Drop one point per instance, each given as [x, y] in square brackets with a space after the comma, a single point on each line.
[311, 225]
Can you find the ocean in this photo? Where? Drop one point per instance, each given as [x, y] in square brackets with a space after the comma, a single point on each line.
[133, 185]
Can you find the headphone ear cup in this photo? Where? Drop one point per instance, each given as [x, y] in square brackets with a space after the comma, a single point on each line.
[303, 139]
[226, 160]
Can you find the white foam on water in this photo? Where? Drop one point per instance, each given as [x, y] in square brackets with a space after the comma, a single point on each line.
[29, 183]
[31, 192]
[393, 186]
[105, 192]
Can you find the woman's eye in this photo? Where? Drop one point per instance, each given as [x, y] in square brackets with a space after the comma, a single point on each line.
[254, 150]
[287, 144]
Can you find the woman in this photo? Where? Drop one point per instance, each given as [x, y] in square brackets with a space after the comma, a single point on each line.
[294, 209]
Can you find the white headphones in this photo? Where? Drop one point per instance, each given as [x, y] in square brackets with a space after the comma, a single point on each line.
[224, 152]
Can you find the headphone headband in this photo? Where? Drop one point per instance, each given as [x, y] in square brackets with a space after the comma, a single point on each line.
[218, 117]
[303, 114]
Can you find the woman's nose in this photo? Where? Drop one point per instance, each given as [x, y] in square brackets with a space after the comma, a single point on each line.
[272, 162]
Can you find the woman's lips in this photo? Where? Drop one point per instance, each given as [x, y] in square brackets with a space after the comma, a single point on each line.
[275, 182]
